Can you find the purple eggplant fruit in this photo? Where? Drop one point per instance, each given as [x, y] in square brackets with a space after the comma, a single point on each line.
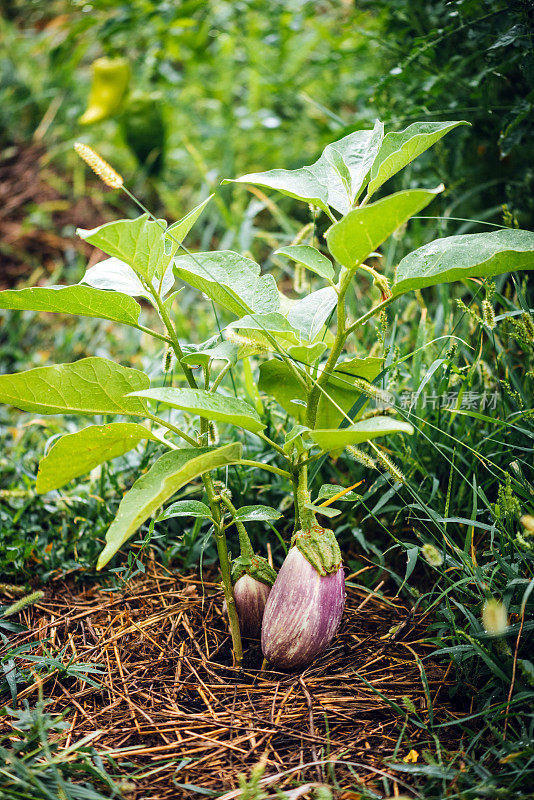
[252, 577]
[305, 604]
[250, 597]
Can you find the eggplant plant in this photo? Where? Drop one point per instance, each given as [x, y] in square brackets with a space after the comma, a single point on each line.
[294, 351]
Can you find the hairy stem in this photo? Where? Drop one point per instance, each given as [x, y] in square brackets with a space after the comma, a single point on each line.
[306, 515]
[269, 467]
[213, 499]
[272, 444]
[172, 428]
[335, 352]
[224, 560]
[244, 540]
[375, 310]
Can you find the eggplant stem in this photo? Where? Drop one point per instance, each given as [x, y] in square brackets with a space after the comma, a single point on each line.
[306, 516]
[244, 540]
[207, 480]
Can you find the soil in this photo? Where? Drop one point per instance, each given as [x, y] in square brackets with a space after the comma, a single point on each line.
[39, 212]
[179, 720]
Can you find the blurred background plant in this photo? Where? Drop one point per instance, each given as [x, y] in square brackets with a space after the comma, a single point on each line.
[189, 93]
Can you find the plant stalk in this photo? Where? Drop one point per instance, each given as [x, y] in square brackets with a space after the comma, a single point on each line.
[213, 499]
[315, 392]
[245, 544]
[224, 560]
[306, 515]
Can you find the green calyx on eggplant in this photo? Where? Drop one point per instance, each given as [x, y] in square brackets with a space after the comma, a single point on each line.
[306, 602]
[252, 578]
[255, 566]
[319, 546]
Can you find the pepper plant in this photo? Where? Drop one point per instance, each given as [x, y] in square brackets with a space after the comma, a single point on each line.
[298, 351]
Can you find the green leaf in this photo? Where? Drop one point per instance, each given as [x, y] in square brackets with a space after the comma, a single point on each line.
[81, 300]
[166, 476]
[254, 326]
[257, 514]
[181, 228]
[278, 381]
[89, 386]
[209, 405]
[294, 439]
[326, 182]
[329, 490]
[340, 387]
[202, 355]
[77, 453]
[361, 231]
[310, 257]
[231, 280]
[398, 149]
[140, 243]
[306, 353]
[326, 511]
[470, 255]
[114, 275]
[186, 508]
[310, 314]
[363, 431]
[366, 368]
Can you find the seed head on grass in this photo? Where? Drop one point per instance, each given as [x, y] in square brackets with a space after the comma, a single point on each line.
[362, 457]
[432, 555]
[390, 466]
[494, 617]
[23, 603]
[105, 171]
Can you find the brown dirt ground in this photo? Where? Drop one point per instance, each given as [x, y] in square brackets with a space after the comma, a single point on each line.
[171, 705]
[28, 183]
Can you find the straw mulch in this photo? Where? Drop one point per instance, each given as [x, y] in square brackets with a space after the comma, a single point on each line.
[175, 713]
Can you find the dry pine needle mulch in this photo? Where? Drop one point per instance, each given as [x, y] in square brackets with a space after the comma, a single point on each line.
[171, 704]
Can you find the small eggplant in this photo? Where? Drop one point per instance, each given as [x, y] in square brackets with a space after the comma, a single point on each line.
[304, 607]
[252, 577]
[250, 597]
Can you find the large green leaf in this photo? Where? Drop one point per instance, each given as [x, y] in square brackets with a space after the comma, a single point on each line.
[310, 314]
[81, 300]
[177, 232]
[398, 149]
[335, 179]
[363, 431]
[470, 255]
[89, 386]
[361, 231]
[168, 474]
[255, 326]
[209, 405]
[312, 258]
[138, 242]
[231, 280]
[306, 353]
[114, 275]
[213, 350]
[278, 381]
[77, 453]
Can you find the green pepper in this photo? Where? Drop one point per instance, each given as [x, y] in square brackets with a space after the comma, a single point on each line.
[109, 85]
